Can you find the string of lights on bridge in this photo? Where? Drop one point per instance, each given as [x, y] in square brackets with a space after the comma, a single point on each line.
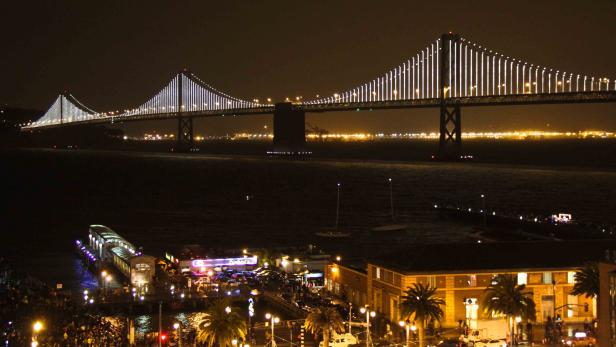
[474, 71]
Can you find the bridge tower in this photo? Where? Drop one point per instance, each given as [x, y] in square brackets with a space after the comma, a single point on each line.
[289, 129]
[185, 139]
[450, 139]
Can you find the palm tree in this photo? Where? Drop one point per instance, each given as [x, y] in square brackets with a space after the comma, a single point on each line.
[221, 325]
[587, 281]
[420, 305]
[324, 320]
[505, 297]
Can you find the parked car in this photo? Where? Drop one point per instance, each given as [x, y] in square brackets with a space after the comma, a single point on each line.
[491, 343]
[580, 339]
[341, 340]
[451, 343]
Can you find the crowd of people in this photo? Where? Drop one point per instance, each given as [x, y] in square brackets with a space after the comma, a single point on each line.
[25, 301]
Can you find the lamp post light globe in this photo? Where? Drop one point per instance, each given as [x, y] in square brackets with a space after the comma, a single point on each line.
[228, 309]
[176, 326]
[37, 326]
[273, 321]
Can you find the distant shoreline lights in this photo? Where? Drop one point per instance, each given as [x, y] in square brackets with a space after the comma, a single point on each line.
[504, 135]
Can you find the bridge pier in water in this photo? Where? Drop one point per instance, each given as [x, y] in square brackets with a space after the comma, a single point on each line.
[450, 129]
[185, 138]
[289, 129]
[450, 139]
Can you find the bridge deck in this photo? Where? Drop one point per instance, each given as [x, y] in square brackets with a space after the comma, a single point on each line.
[494, 100]
[473, 101]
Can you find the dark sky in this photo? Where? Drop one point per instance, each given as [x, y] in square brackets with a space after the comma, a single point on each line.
[115, 54]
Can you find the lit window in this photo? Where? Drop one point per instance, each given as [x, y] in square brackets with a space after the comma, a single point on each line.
[571, 277]
[547, 278]
[522, 278]
[378, 272]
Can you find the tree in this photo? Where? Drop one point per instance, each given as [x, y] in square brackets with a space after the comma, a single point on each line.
[324, 320]
[420, 305]
[587, 281]
[505, 297]
[221, 325]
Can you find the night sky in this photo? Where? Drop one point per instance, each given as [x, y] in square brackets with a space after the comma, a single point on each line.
[115, 54]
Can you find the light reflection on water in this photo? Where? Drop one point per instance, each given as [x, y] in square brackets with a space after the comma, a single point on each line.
[85, 278]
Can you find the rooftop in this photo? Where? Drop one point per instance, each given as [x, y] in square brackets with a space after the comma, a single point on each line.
[448, 258]
[109, 235]
[122, 253]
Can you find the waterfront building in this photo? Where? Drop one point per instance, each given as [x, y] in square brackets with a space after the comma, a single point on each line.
[102, 239]
[461, 273]
[198, 261]
[111, 248]
[606, 330]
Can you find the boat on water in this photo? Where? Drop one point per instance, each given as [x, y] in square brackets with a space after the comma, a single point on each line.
[335, 232]
[393, 227]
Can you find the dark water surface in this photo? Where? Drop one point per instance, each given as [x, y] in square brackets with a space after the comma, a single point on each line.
[164, 200]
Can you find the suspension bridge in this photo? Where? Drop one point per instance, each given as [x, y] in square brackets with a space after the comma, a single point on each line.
[449, 73]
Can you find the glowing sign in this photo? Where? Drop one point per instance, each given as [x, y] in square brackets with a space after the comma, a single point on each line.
[205, 263]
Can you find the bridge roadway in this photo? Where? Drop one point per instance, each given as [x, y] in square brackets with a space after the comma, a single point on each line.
[473, 101]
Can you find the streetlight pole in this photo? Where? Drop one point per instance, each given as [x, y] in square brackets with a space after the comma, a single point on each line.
[407, 326]
[178, 327]
[160, 323]
[36, 328]
[350, 316]
[368, 315]
[273, 320]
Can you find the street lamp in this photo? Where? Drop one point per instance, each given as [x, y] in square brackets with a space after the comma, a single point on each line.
[36, 328]
[273, 320]
[178, 328]
[407, 325]
[108, 279]
[368, 315]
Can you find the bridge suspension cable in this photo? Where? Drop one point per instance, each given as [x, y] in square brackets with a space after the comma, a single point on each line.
[474, 71]
[416, 78]
[196, 96]
[65, 109]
